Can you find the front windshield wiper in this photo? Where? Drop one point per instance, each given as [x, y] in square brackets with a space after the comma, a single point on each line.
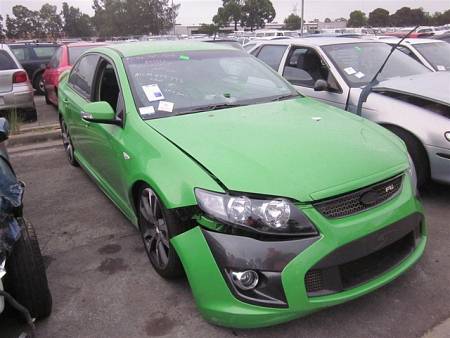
[284, 97]
[372, 83]
[209, 108]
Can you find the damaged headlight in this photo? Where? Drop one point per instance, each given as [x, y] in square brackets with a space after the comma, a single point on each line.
[270, 216]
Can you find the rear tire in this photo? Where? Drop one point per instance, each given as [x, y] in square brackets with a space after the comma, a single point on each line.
[417, 153]
[47, 101]
[67, 142]
[26, 279]
[38, 84]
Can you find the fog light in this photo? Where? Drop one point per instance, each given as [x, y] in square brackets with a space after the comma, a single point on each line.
[447, 136]
[245, 280]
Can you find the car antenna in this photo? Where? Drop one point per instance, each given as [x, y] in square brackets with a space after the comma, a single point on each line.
[368, 89]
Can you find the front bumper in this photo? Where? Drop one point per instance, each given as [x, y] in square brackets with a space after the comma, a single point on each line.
[204, 254]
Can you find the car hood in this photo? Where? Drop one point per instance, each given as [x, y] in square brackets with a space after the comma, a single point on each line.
[299, 149]
[429, 86]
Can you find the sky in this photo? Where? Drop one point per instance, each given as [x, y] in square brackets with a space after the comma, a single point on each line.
[201, 11]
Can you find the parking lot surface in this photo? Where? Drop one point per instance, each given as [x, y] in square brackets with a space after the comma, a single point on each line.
[104, 286]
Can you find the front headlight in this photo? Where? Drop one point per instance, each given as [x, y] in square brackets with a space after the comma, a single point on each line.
[413, 176]
[272, 216]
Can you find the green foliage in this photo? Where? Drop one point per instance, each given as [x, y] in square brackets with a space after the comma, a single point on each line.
[292, 22]
[2, 31]
[440, 19]
[357, 19]
[379, 18]
[256, 13]
[210, 29]
[231, 11]
[76, 24]
[406, 16]
[27, 24]
[133, 17]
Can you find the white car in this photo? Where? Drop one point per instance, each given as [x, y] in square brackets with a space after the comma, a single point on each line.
[409, 100]
[433, 54]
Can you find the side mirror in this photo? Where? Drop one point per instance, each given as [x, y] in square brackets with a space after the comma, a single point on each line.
[320, 85]
[99, 112]
[4, 129]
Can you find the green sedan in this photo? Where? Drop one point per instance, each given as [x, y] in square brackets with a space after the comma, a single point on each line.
[274, 205]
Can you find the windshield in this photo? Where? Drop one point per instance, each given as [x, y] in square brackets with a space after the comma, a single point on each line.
[359, 62]
[436, 53]
[75, 52]
[188, 82]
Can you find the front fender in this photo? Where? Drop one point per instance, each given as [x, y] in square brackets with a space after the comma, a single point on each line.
[165, 168]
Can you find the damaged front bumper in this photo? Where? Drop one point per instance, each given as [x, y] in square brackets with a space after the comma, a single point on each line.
[301, 276]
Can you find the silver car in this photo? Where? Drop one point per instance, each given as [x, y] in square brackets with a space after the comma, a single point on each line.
[410, 100]
[433, 54]
[16, 92]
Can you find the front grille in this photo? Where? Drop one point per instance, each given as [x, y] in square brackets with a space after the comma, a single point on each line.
[314, 280]
[359, 200]
[364, 259]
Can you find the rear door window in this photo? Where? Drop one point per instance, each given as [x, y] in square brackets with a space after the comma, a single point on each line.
[44, 52]
[6, 61]
[82, 75]
[272, 55]
[54, 61]
[21, 53]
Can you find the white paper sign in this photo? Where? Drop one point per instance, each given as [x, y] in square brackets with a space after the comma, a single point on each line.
[441, 68]
[153, 92]
[349, 70]
[360, 75]
[147, 110]
[165, 106]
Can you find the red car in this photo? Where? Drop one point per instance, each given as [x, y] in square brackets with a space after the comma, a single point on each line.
[63, 59]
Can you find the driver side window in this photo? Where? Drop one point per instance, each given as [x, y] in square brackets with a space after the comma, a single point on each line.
[304, 67]
[107, 88]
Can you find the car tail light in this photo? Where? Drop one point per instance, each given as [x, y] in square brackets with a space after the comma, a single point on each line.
[20, 77]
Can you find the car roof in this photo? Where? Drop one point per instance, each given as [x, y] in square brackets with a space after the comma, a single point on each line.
[319, 41]
[154, 47]
[84, 43]
[410, 41]
[33, 44]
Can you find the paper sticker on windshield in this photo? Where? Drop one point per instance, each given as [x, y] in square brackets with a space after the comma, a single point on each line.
[153, 92]
[146, 111]
[360, 75]
[165, 106]
[349, 70]
[441, 68]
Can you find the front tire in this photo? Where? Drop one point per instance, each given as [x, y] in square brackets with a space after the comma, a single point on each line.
[67, 143]
[26, 279]
[417, 153]
[157, 226]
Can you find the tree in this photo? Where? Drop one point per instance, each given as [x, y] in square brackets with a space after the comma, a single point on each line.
[357, 19]
[24, 23]
[440, 19]
[137, 17]
[406, 16]
[292, 22]
[256, 13]
[231, 11]
[51, 21]
[2, 31]
[378, 18]
[327, 20]
[76, 24]
[209, 29]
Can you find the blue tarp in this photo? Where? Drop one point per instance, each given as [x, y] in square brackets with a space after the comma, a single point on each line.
[11, 192]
